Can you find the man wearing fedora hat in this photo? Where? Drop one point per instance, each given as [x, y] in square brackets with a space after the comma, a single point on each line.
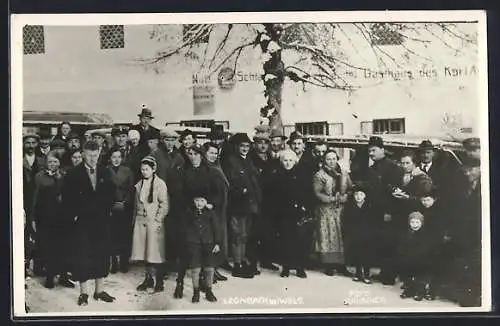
[384, 176]
[144, 126]
[244, 201]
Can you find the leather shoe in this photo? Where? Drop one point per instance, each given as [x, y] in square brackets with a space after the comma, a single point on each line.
[209, 295]
[49, 283]
[285, 272]
[179, 291]
[196, 296]
[83, 299]
[301, 273]
[104, 296]
[219, 277]
[270, 266]
[64, 281]
[226, 266]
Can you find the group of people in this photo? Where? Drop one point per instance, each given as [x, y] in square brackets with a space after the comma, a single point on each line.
[243, 205]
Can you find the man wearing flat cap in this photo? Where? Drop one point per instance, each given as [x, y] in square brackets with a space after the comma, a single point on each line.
[144, 126]
[73, 141]
[120, 137]
[244, 200]
[383, 177]
[32, 164]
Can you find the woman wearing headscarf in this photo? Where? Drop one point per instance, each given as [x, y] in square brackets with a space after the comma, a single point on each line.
[151, 208]
[49, 222]
[330, 185]
[222, 184]
[293, 218]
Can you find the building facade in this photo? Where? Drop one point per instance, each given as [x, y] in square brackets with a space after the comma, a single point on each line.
[102, 69]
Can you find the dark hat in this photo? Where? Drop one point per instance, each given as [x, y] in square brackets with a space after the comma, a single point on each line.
[277, 133]
[149, 160]
[376, 141]
[425, 145]
[145, 112]
[152, 134]
[119, 131]
[58, 143]
[216, 132]
[199, 192]
[99, 133]
[27, 136]
[240, 137]
[73, 135]
[45, 135]
[295, 135]
[187, 132]
[198, 149]
[472, 143]
[360, 186]
[91, 146]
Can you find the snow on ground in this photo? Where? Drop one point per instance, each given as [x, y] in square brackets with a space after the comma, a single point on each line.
[266, 291]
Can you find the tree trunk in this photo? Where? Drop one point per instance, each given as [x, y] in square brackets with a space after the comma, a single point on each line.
[274, 76]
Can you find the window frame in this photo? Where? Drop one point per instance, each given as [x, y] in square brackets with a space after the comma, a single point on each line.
[388, 124]
[309, 128]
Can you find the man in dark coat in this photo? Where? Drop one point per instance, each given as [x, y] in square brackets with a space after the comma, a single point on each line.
[465, 228]
[99, 138]
[32, 164]
[144, 127]
[244, 201]
[263, 235]
[120, 136]
[383, 177]
[87, 198]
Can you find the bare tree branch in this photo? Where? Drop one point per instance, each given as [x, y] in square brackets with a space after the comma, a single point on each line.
[230, 55]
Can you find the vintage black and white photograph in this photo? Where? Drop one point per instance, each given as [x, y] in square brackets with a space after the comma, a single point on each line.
[312, 162]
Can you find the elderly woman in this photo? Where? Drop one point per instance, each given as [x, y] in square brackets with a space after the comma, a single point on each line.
[148, 240]
[330, 185]
[294, 220]
[212, 158]
[48, 219]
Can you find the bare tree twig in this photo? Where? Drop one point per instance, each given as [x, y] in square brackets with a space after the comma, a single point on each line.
[238, 48]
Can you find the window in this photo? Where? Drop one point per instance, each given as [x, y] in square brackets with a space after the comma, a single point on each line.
[33, 39]
[313, 128]
[112, 36]
[385, 34]
[367, 127]
[192, 30]
[336, 129]
[198, 123]
[389, 126]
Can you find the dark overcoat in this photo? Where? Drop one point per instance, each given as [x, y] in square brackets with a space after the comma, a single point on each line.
[121, 219]
[358, 224]
[245, 197]
[29, 173]
[295, 226]
[90, 210]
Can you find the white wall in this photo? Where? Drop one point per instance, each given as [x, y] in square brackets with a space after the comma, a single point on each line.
[76, 75]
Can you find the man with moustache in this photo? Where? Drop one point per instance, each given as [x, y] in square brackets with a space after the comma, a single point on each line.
[44, 144]
[120, 136]
[73, 141]
[383, 177]
[319, 150]
[32, 164]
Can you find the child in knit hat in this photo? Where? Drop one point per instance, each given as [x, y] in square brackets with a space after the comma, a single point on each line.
[415, 257]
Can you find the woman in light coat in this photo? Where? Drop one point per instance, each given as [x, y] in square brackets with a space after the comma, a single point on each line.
[330, 185]
[151, 208]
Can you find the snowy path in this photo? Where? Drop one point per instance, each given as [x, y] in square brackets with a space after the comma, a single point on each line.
[267, 291]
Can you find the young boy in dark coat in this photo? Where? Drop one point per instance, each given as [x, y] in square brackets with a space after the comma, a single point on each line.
[203, 239]
[358, 224]
[415, 257]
